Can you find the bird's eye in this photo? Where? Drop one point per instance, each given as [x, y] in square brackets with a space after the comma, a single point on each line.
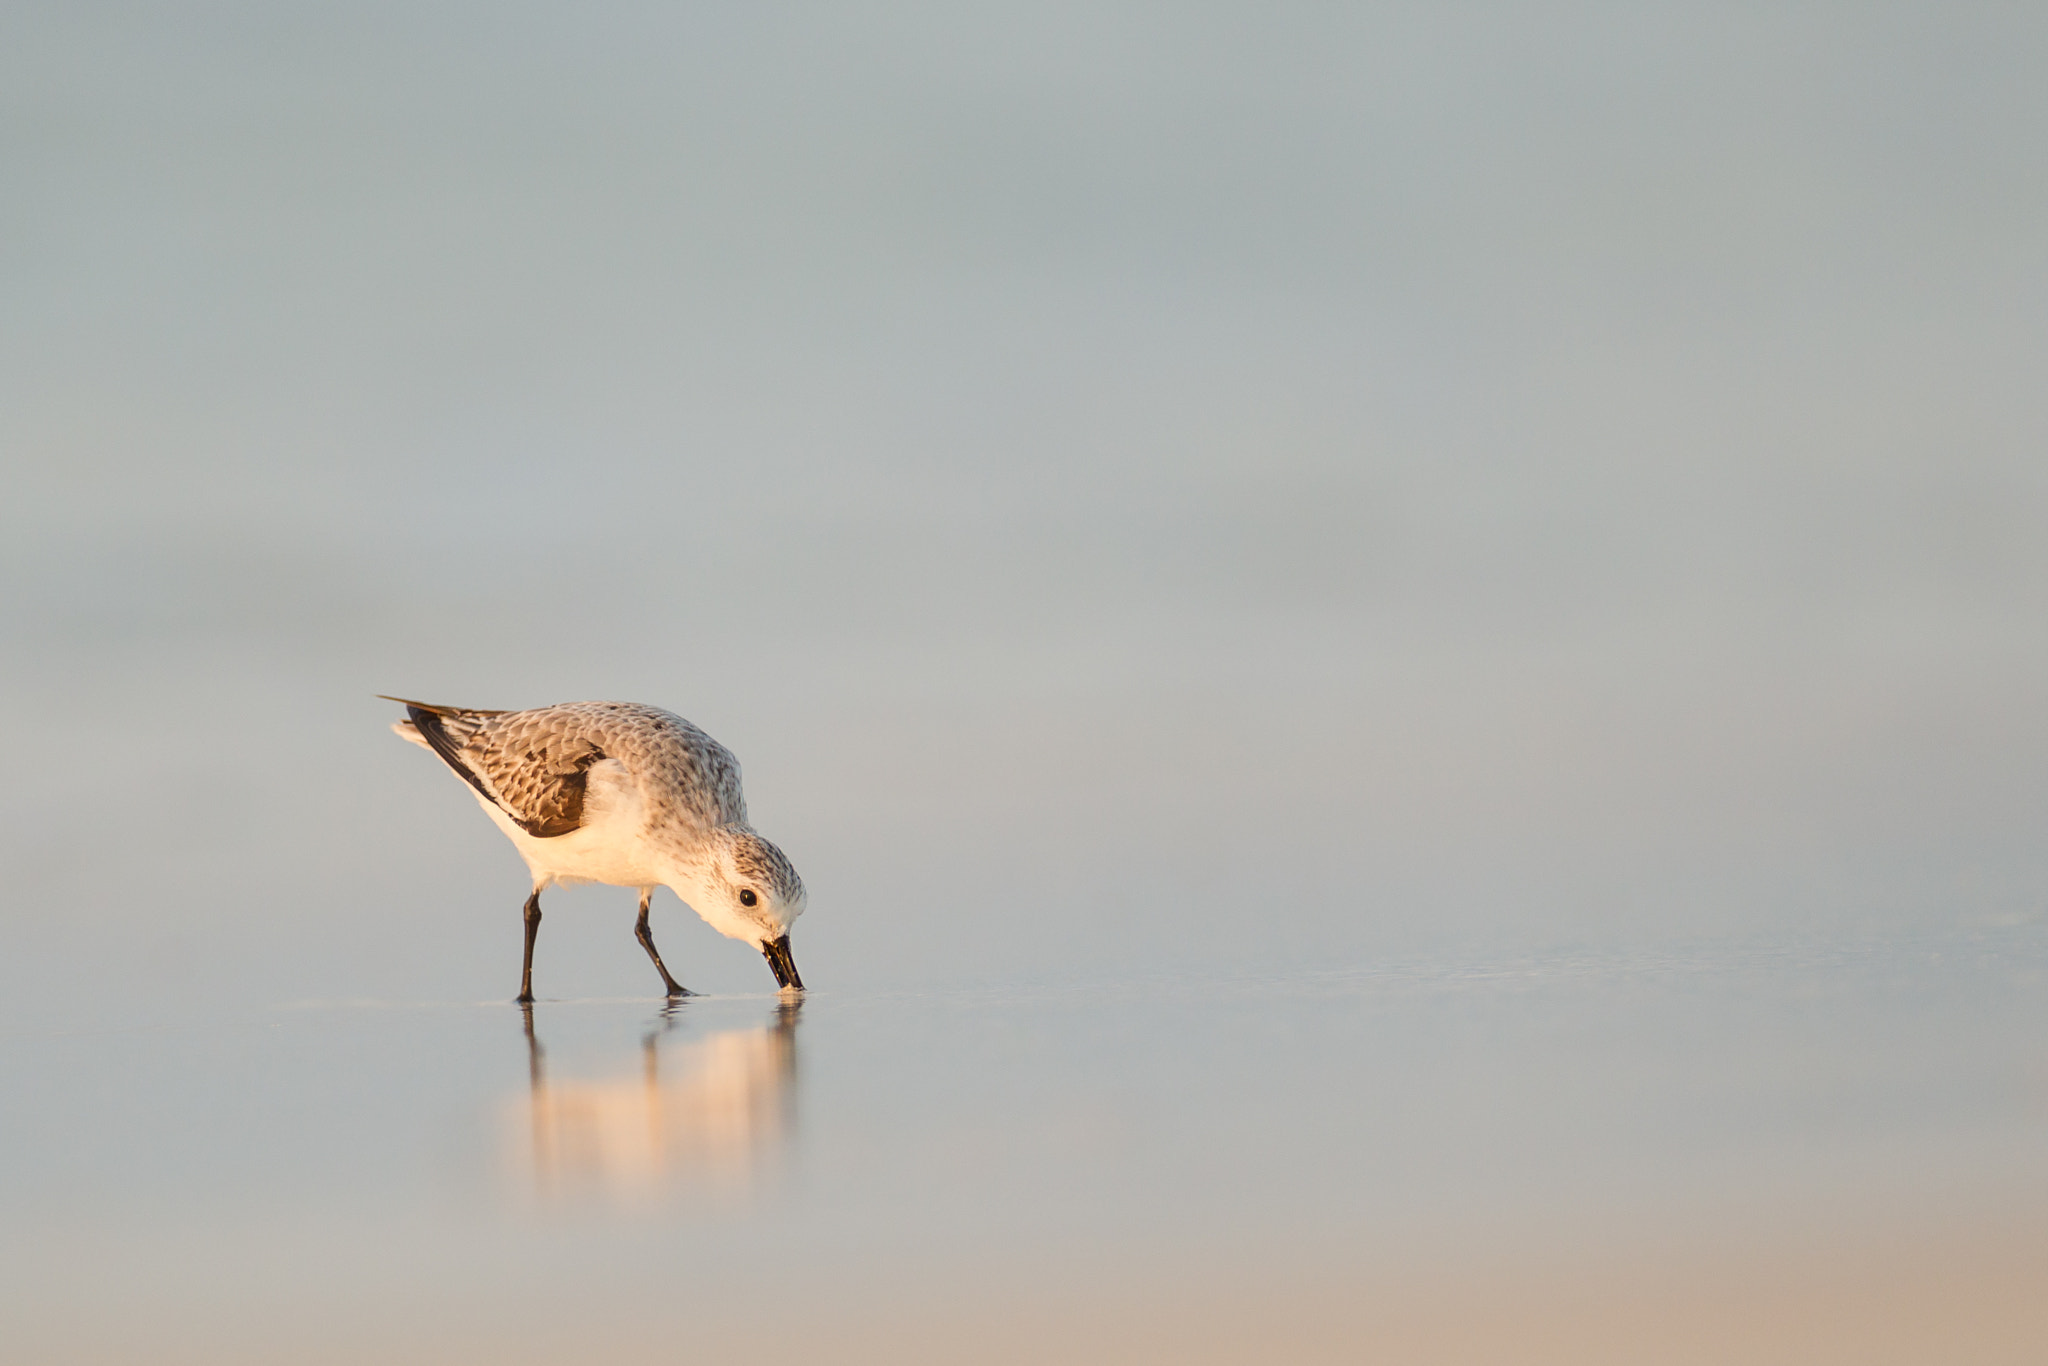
[747, 897]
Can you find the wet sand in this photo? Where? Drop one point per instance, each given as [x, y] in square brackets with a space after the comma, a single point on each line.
[1701, 1154]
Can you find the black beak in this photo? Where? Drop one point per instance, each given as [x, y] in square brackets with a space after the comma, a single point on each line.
[777, 954]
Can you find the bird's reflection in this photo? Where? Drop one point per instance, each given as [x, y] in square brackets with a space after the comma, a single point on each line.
[702, 1116]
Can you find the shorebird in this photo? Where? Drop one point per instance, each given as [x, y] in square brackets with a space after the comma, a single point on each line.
[623, 794]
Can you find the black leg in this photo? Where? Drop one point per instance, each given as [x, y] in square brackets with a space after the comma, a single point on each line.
[646, 938]
[532, 929]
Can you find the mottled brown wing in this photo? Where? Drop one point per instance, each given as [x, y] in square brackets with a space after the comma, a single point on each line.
[541, 776]
[533, 771]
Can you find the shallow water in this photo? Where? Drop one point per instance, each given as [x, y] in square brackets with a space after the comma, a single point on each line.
[1705, 1147]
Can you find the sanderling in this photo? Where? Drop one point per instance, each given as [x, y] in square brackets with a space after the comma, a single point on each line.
[628, 795]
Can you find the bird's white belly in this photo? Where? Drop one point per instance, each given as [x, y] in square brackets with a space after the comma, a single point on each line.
[608, 848]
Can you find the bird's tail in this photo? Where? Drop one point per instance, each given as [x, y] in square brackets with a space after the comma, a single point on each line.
[445, 730]
[406, 730]
[439, 711]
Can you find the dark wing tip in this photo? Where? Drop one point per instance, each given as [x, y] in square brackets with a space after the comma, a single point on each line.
[427, 721]
[439, 710]
[554, 809]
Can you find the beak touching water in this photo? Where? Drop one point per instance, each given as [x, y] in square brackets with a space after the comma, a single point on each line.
[777, 954]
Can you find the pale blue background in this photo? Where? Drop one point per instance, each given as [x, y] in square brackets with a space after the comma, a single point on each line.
[1155, 494]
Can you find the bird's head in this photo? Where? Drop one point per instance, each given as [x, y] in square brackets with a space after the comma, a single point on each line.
[747, 889]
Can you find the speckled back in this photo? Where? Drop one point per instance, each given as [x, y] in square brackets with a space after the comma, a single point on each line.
[534, 763]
